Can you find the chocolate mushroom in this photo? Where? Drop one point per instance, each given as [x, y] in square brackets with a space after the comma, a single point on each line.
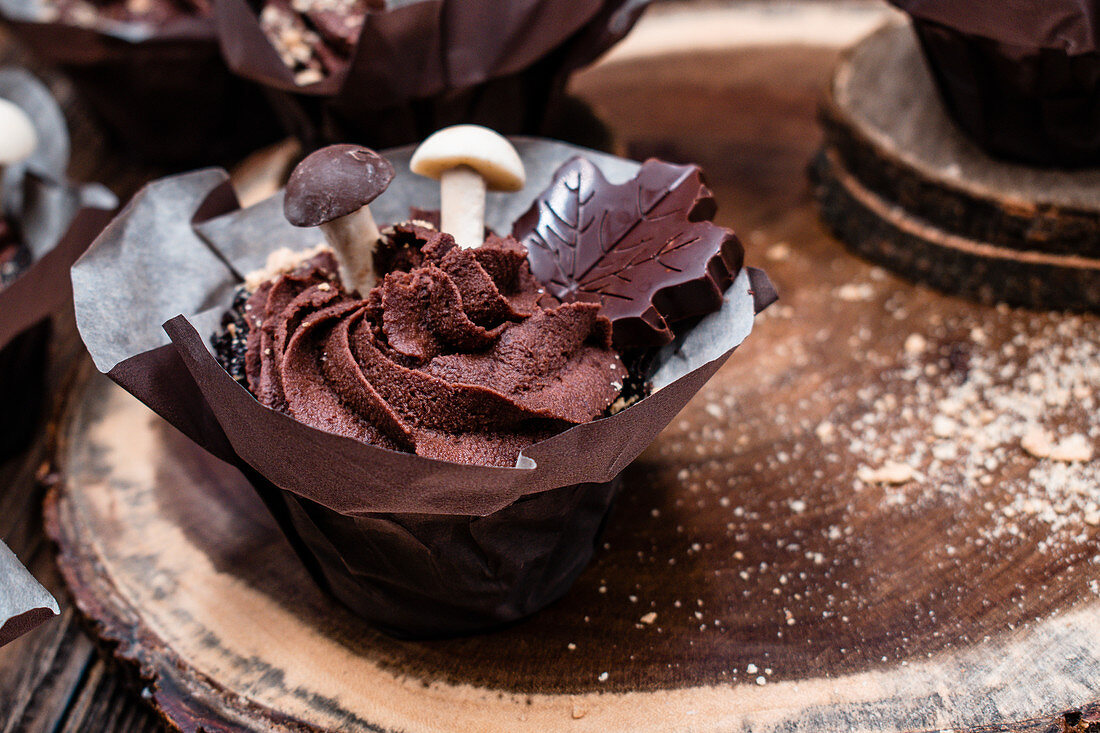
[331, 189]
[17, 139]
[467, 160]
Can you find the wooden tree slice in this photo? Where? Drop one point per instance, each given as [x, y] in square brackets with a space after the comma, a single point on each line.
[900, 184]
[843, 531]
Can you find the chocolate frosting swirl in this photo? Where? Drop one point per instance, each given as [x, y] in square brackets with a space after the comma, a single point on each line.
[457, 354]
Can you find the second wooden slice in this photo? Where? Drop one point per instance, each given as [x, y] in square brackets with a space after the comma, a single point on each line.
[901, 185]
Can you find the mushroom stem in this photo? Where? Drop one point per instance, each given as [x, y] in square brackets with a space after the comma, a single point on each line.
[353, 239]
[462, 207]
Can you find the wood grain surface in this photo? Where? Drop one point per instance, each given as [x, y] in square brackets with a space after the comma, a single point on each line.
[902, 185]
[880, 515]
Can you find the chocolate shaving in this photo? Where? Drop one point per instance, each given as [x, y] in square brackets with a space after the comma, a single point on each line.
[643, 249]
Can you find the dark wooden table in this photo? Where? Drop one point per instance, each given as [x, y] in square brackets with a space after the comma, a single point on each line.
[57, 679]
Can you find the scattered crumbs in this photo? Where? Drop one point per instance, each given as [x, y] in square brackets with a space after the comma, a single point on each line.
[649, 617]
[891, 472]
[855, 292]
[603, 677]
[1041, 444]
[751, 669]
[943, 426]
[571, 647]
[798, 506]
[915, 344]
[761, 680]
[714, 410]
[779, 252]
[996, 416]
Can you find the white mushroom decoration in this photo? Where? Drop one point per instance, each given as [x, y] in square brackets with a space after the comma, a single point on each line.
[18, 139]
[467, 160]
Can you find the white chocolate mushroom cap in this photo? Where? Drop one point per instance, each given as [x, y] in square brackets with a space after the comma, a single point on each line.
[487, 152]
[18, 138]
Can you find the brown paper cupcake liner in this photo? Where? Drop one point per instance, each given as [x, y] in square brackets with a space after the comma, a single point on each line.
[1035, 105]
[1071, 26]
[1022, 80]
[427, 64]
[419, 547]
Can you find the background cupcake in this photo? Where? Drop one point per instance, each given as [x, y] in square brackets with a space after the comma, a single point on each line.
[389, 73]
[1022, 79]
[45, 223]
[152, 72]
[417, 545]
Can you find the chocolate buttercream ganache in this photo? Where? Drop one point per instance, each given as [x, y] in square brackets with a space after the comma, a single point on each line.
[457, 354]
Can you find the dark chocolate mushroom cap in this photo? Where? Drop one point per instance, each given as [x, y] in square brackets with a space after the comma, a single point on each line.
[334, 182]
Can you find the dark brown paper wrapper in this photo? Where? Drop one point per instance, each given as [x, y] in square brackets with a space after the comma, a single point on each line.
[57, 220]
[164, 95]
[1071, 26]
[1021, 79]
[1034, 105]
[434, 63]
[419, 547]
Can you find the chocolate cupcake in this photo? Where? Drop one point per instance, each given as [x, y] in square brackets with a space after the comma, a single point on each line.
[416, 425]
[45, 223]
[1022, 79]
[152, 72]
[390, 73]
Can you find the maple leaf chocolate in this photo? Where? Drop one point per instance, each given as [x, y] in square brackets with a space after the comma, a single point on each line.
[643, 249]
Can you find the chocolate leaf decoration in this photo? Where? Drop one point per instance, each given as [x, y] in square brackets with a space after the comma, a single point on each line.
[643, 249]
